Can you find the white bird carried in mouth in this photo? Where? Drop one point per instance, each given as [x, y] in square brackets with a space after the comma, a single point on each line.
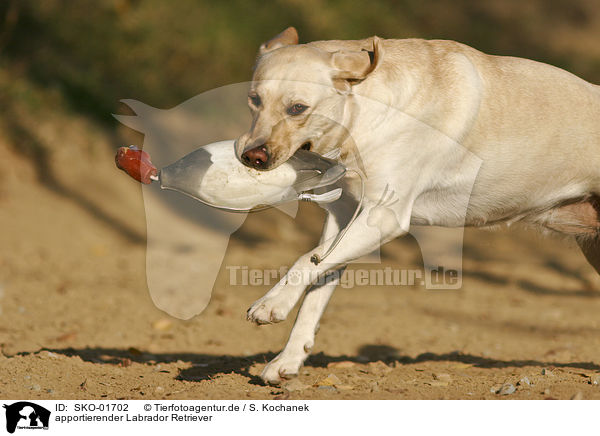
[213, 175]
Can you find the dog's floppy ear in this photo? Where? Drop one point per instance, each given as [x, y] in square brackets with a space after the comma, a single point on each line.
[350, 67]
[288, 37]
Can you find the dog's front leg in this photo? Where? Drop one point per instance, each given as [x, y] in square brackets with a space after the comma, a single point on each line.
[275, 305]
[375, 225]
[302, 337]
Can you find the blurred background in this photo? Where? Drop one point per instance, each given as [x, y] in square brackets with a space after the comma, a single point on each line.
[64, 66]
[73, 229]
[85, 56]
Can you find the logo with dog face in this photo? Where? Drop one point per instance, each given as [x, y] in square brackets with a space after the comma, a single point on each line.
[26, 415]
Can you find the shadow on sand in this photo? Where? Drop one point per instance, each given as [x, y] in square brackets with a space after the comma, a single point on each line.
[206, 366]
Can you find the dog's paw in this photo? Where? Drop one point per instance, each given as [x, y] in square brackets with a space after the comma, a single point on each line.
[269, 310]
[282, 368]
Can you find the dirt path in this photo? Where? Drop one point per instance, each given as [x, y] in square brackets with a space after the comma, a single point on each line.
[76, 319]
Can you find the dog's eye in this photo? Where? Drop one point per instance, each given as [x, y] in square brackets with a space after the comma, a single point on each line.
[296, 109]
[254, 100]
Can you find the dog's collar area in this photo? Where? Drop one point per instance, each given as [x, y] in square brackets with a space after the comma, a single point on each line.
[315, 258]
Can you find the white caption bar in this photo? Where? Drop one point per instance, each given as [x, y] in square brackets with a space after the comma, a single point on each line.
[288, 418]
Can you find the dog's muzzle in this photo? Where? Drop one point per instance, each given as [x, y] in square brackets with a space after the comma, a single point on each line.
[257, 157]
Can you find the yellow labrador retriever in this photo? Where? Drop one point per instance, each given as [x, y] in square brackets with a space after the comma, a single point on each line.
[456, 136]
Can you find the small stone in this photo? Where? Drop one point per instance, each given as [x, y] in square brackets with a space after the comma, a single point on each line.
[342, 364]
[48, 354]
[524, 381]
[379, 368]
[595, 379]
[374, 387]
[462, 365]
[294, 385]
[507, 389]
[223, 311]
[135, 351]
[49, 391]
[330, 380]
[438, 383]
[66, 337]
[154, 348]
[327, 388]
[546, 391]
[27, 377]
[125, 362]
[159, 389]
[578, 396]
[36, 388]
[546, 372]
[162, 324]
[344, 388]
[442, 377]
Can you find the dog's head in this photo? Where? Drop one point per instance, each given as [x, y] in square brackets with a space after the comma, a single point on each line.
[297, 98]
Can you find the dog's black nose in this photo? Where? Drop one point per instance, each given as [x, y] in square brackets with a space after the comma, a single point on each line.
[257, 157]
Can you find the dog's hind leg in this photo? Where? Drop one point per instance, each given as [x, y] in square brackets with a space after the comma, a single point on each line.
[581, 219]
[589, 241]
[591, 250]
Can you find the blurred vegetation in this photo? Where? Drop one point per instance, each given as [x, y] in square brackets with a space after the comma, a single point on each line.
[93, 53]
[68, 63]
[79, 58]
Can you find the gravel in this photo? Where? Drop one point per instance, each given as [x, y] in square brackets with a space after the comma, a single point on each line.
[330, 380]
[442, 377]
[294, 385]
[327, 388]
[505, 389]
[342, 364]
[578, 396]
[524, 381]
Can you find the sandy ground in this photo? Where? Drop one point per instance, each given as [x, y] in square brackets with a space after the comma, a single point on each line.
[77, 321]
